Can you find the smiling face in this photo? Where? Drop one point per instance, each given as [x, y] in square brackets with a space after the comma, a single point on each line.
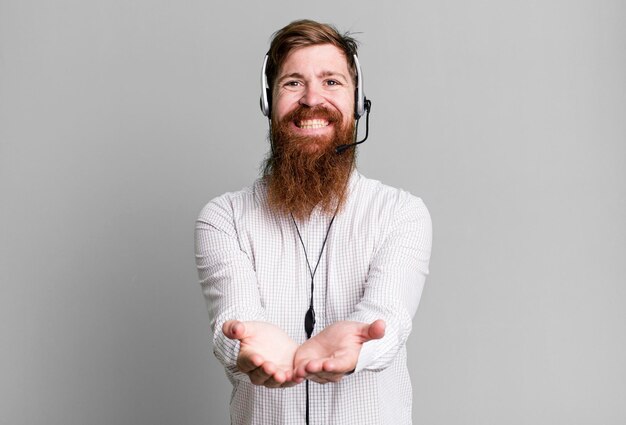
[312, 114]
[313, 94]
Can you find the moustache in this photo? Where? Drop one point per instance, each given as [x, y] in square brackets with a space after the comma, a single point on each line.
[317, 112]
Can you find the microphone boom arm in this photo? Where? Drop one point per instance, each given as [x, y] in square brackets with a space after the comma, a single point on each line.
[342, 148]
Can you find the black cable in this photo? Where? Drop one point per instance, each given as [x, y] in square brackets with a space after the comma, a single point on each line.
[342, 148]
[309, 318]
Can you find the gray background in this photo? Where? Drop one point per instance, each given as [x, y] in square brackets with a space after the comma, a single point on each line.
[120, 119]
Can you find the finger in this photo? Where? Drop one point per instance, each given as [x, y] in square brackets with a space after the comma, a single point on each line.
[282, 378]
[276, 380]
[290, 379]
[334, 371]
[300, 373]
[314, 366]
[247, 363]
[320, 376]
[338, 365]
[269, 369]
[295, 381]
[262, 374]
[257, 377]
[305, 368]
[234, 329]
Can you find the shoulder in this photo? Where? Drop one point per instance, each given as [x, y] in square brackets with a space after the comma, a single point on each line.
[387, 201]
[403, 219]
[228, 207]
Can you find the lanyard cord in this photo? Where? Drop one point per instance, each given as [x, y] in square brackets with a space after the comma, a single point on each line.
[309, 318]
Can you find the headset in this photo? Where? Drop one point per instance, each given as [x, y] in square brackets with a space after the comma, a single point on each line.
[361, 104]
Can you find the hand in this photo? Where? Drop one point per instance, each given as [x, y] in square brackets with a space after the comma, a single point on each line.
[266, 352]
[334, 352]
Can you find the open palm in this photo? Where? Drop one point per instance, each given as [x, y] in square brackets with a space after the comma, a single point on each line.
[334, 352]
[266, 352]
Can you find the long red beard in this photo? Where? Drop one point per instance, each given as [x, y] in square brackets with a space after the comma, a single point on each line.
[303, 172]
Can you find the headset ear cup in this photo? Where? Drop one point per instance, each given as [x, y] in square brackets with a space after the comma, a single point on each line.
[266, 95]
[359, 101]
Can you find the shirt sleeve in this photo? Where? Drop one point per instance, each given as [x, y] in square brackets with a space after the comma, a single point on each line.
[395, 282]
[227, 278]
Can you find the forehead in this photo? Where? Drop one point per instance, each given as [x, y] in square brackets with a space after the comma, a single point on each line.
[317, 58]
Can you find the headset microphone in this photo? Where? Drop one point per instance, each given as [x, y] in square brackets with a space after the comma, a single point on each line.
[342, 148]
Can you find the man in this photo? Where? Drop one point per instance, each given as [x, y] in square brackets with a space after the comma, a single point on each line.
[314, 249]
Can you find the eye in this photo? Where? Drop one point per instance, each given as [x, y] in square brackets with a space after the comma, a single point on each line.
[292, 83]
[333, 83]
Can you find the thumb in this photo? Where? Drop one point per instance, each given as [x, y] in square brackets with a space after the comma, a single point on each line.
[234, 329]
[376, 330]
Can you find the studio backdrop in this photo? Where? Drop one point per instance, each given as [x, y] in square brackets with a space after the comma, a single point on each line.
[120, 119]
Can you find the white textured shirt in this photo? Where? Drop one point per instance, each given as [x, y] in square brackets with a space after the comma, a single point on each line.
[252, 266]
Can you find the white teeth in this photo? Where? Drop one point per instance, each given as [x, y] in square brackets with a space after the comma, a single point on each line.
[312, 124]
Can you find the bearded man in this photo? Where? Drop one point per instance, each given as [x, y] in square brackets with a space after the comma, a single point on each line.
[312, 275]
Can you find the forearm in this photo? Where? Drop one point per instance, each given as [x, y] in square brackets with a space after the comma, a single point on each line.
[398, 317]
[394, 283]
[227, 278]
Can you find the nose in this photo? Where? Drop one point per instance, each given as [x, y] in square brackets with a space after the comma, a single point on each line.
[312, 96]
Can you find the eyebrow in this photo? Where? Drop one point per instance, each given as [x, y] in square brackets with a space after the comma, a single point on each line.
[321, 75]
